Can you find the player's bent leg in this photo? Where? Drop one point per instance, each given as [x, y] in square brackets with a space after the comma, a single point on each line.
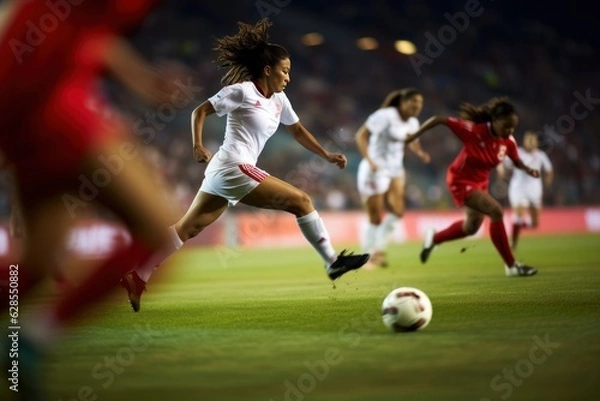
[276, 194]
[473, 221]
[204, 210]
[134, 196]
[459, 229]
[484, 203]
[273, 193]
[394, 202]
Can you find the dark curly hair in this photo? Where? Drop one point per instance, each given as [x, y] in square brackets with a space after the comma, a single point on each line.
[246, 53]
[495, 108]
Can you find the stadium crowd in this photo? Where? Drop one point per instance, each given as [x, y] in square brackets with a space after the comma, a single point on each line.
[335, 86]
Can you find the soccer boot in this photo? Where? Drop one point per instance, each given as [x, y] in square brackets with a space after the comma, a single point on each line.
[346, 262]
[135, 286]
[428, 245]
[519, 270]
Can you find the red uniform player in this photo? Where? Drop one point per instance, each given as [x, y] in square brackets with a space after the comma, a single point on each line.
[52, 55]
[486, 133]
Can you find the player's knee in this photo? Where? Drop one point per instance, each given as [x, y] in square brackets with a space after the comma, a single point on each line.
[471, 228]
[300, 204]
[496, 214]
[375, 218]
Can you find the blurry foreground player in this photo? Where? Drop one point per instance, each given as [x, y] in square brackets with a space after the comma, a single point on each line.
[486, 133]
[54, 141]
[255, 103]
[524, 191]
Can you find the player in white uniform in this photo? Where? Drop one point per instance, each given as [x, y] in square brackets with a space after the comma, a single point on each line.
[255, 105]
[524, 191]
[381, 175]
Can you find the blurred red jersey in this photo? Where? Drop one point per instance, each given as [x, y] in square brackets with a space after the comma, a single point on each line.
[481, 152]
[52, 52]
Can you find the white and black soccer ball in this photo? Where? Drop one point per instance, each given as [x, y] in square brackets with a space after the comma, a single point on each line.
[406, 309]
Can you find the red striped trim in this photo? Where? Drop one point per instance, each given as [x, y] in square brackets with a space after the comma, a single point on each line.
[253, 172]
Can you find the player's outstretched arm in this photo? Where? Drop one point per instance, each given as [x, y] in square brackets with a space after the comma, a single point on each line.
[415, 146]
[532, 172]
[306, 139]
[135, 73]
[427, 125]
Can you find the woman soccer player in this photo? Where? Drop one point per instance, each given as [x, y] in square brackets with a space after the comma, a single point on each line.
[525, 192]
[255, 105]
[486, 133]
[56, 143]
[381, 176]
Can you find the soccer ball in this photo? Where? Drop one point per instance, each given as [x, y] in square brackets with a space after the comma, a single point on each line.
[406, 309]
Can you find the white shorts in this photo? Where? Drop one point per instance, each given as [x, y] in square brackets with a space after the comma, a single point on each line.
[525, 196]
[374, 183]
[231, 180]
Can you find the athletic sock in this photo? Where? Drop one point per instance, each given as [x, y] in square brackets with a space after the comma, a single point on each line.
[385, 231]
[368, 237]
[316, 234]
[500, 240]
[452, 232]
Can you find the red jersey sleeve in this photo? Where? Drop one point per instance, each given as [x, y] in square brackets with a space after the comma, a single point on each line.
[463, 129]
[511, 149]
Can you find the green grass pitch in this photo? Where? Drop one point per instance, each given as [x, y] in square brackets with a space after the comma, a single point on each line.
[268, 325]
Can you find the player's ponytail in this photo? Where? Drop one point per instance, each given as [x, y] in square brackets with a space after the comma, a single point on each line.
[395, 98]
[497, 107]
[246, 53]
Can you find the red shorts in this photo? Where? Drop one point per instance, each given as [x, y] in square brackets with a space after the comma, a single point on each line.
[461, 188]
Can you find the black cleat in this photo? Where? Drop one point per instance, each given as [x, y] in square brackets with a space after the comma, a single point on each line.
[428, 245]
[135, 286]
[346, 262]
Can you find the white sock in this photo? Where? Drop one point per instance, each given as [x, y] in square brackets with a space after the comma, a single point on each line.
[316, 234]
[173, 244]
[368, 237]
[385, 231]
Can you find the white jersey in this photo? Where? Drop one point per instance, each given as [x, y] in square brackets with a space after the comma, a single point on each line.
[388, 133]
[251, 120]
[537, 160]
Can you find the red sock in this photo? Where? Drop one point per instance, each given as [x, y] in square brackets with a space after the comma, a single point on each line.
[500, 240]
[101, 281]
[454, 231]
